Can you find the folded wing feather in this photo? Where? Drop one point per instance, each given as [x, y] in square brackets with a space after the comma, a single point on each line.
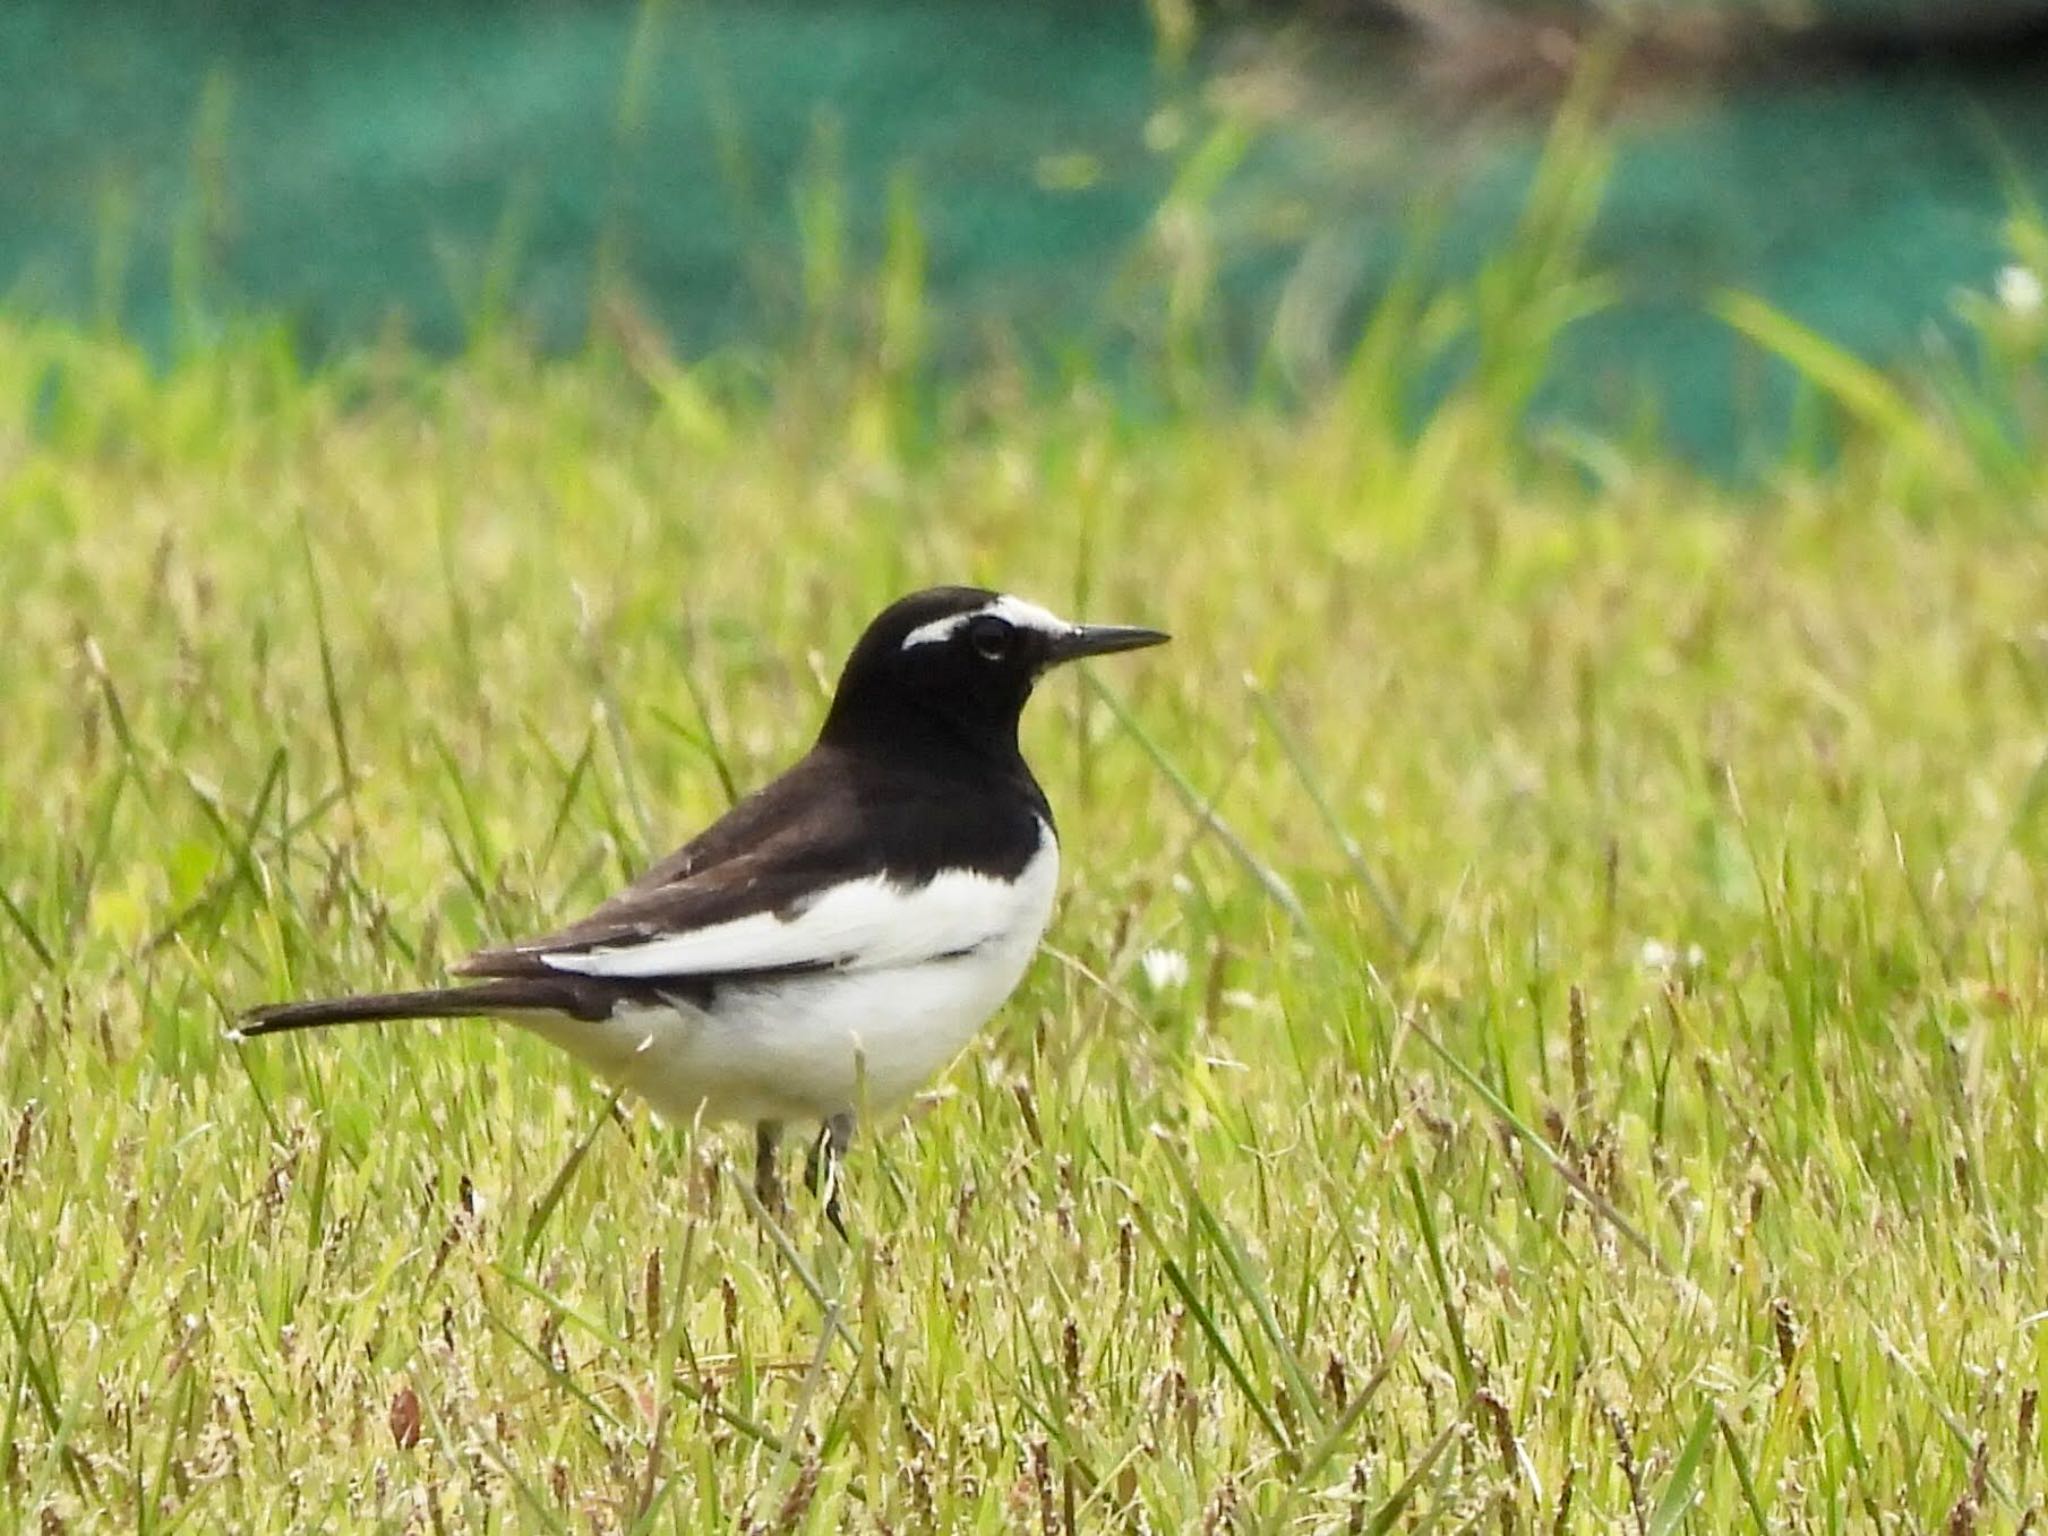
[866, 924]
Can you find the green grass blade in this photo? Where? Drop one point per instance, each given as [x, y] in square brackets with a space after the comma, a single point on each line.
[1678, 1492]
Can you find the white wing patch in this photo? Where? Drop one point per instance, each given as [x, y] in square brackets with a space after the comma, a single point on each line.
[1012, 610]
[863, 925]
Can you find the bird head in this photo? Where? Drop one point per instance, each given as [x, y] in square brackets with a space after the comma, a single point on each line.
[963, 656]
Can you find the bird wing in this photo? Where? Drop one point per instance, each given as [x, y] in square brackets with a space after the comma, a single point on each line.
[790, 881]
[867, 923]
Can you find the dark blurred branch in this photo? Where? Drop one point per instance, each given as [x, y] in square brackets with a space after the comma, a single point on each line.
[1504, 52]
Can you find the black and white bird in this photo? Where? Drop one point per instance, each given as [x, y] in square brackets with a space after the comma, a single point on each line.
[838, 936]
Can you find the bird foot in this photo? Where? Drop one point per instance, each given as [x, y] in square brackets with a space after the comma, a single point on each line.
[767, 1178]
[824, 1166]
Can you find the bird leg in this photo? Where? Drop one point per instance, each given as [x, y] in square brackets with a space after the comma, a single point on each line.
[767, 1182]
[821, 1168]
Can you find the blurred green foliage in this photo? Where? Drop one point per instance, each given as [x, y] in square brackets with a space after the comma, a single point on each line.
[729, 168]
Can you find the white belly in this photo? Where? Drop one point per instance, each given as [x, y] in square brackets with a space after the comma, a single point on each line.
[807, 1047]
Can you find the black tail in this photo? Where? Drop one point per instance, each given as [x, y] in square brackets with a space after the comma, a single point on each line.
[481, 999]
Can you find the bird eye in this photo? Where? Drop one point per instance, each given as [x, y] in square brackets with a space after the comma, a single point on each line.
[990, 639]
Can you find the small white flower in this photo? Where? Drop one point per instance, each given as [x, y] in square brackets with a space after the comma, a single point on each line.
[1656, 955]
[1165, 969]
[2019, 291]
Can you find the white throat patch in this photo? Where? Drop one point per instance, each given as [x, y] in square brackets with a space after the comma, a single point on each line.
[1012, 610]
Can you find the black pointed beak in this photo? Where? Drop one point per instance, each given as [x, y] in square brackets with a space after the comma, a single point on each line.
[1102, 640]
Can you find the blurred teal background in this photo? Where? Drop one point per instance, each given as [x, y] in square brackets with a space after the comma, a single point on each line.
[435, 165]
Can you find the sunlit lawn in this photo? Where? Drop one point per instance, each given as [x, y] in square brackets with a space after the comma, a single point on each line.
[1607, 1090]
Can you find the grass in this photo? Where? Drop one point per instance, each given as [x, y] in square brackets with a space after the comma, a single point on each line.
[1607, 1093]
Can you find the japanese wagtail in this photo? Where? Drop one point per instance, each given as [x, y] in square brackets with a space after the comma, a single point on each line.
[839, 935]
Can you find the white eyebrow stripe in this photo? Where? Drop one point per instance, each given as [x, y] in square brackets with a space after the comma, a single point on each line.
[1012, 610]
